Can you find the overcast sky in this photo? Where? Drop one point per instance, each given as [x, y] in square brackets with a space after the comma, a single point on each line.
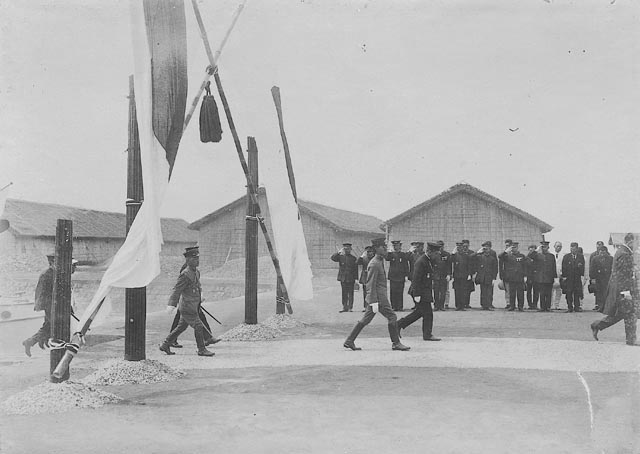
[386, 104]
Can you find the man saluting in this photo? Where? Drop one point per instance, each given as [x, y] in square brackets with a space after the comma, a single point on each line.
[188, 287]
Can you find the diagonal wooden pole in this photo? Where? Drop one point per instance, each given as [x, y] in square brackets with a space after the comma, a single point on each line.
[252, 189]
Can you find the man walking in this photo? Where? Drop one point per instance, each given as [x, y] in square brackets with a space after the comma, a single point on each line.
[544, 274]
[622, 294]
[398, 272]
[486, 272]
[421, 293]
[347, 274]
[557, 288]
[513, 273]
[572, 278]
[377, 300]
[187, 294]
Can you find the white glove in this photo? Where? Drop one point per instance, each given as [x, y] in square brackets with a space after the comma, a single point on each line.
[416, 299]
[626, 294]
[170, 309]
[480, 251]
[468, 278]
[448, 278]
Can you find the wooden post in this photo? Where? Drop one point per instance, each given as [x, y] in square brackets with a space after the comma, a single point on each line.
[251, 241]
[135, 298]
[61, 306]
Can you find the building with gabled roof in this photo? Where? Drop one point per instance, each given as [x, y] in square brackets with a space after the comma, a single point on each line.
[465, 212]
[28, 231]
[222, 232]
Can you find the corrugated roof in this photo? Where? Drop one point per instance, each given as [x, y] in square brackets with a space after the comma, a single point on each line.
[462, 188]
[39, 219]
[338, 219]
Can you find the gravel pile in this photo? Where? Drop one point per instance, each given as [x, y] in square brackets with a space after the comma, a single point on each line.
[283, 321]
[244, 332]
[56, 398]
[121, 372]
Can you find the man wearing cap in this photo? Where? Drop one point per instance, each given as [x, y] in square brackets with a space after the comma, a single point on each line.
[513, 274]
[44, 302]
[363, 261]
[421, 293]
[507, 249]
[572, 278]
[377, 300]
[600, 266]
[398, 272]
[557, 287]
[486, 272]
[347, 274]
[187, 294]
[441, 276]
[544, 274]
[622, 294]
[530, 288]
[463, 269]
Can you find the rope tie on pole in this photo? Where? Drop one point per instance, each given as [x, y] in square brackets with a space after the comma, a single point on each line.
[58, 344]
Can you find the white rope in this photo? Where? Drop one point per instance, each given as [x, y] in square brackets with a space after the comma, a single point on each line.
[586, 387]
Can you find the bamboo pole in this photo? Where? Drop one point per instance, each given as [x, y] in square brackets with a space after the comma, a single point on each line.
[250, 185]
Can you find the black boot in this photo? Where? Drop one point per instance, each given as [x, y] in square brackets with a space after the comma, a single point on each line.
[27, 344]
[594, 330]
[204, 352]
[350, 342]
[165, 347]
[395, 338]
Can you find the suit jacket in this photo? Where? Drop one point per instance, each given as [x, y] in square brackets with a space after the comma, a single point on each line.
[421, 280]
[398, 266]
[348, 269]
[463, 267]
[441, 263]
[513, 267]
[544, 267]
[600, 268]
[622, 279]
[486, 267]
[572, 272]
[376, 281]
[44, 290]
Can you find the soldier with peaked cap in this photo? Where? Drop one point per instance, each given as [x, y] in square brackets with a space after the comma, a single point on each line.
[572, 277]
[544, 274]
[486, 273]
[441, 277]
[377, 300]
[622, 294]
[530, 288]
[363, 261]
[513, 271]
[187, 294]
[507, 249]
[347, 274]
[421, 292]
[398, 272]
[463, 269]
[599, 274]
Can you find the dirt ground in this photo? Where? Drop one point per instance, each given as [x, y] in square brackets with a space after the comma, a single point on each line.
[498, 382]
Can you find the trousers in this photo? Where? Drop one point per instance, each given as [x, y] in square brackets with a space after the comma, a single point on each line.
[396, 295]
[347, 295]
[422, 310]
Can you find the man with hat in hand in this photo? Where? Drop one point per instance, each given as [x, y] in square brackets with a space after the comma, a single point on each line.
[377, 300]
[363, 261]
[622, 294]
[513, 272]
[544, 274]
[486, 272]
[572, 278]
[187, 293]
[422, 296]
[398, 272]
[347, 274]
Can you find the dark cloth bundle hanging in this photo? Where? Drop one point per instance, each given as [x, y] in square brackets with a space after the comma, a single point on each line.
[210, 128]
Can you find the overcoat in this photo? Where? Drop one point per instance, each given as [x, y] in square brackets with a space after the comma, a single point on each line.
[348, 267]
[622, 279]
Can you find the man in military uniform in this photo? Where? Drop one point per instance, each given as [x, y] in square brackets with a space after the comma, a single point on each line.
[544, 274]
[363, 261]
[445, 257]
[486, 272]
[622, 294]
[599, 274]
[398, 272]
[531, 288]
[572, 278]
[513, 274]
[463, 269]
[422, 296]
[507, 249]
[347, 274]
[187, 294]
[441, 263]
[377, 300]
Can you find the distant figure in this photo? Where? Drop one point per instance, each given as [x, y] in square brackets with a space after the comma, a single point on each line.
[572, 278]
[513, 271]
[557, 288]
[347, 274]
[398, 272]
[531, 288]
[441, 292]
[486, 273]
[600, 267]
[377, 300]
[622, 294]
[507, 248]
[363, 261]
[544, 274]
[462, 265]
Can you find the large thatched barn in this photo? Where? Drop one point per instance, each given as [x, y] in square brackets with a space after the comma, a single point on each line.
[466, 212]
[222, 233]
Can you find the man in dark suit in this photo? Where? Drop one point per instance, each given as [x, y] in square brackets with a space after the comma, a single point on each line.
[544, 274]
[347, 274]
[531, 288]
[622, 294]
[442, 276]
[513, 272]
[462, 265]
[486, 272]
[572, 278]
[421, 293]
[363, 261]
[398, 272]
[600, 264]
